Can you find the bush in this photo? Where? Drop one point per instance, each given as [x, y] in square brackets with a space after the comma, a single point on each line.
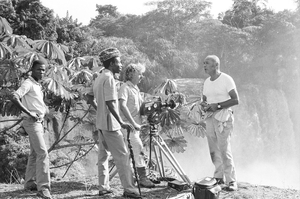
[14, 150]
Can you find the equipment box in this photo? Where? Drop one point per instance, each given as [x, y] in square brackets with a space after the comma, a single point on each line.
[206, 189]
[178, 185]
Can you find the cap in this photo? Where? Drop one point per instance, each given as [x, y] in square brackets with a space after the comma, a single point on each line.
[109, 53]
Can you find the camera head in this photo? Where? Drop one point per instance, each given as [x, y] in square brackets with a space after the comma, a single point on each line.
[155, 106]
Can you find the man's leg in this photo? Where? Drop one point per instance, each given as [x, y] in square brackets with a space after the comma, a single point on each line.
[103, 171]
[225, 148]
[30, 175]
[214, 150]
[116, 145]
[137, 147]
[35, 131]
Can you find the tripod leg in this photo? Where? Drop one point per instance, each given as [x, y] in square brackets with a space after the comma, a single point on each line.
[162, 163]
[174, 159]
[112, 172]
[160, 167]
[164, 148]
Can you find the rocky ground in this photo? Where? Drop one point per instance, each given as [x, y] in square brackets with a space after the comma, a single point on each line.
[86, 188]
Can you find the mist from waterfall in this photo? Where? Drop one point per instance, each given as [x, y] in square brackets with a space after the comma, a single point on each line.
[264, 144]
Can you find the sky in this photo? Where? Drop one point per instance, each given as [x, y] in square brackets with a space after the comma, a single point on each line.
[84, 10]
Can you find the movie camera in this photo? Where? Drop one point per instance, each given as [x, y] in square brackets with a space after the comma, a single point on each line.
[153, 108]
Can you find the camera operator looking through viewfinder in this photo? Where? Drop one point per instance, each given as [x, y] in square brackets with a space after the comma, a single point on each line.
[219, 94]
[130, 101]
[109, 123]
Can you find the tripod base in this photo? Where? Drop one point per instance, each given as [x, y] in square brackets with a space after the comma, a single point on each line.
[159, 148]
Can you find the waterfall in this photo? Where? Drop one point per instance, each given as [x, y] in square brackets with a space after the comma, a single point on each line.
[263, 142]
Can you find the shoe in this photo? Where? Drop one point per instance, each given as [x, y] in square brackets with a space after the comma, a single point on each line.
[105, 192]
[220, 181]
[31, 186]
[143, 179]
[127, 194]
[232, 186]
[45, 193]
[146, 183]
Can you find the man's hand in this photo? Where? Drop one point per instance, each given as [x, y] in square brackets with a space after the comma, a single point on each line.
[137, 126]
[127, 126]
[212, 107]
[34, 115]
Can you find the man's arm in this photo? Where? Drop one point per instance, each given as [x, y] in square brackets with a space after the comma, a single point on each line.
[16, 100]
[234, 100]
[127, 114]
[91, 100]
[113, 109]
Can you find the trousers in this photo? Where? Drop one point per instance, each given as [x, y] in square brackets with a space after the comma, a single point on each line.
[220, 148]
[137, 147]
[113, 142]
[38, 161]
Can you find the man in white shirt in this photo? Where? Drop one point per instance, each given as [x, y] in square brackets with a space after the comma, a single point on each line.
[219, 94]
[37, 175]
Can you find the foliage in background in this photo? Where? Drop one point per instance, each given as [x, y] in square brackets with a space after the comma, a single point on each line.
[257, 47]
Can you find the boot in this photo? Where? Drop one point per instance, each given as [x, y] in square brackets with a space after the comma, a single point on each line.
[143, 180]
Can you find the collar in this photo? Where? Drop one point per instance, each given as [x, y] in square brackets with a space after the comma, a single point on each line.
[129, 83]
[33, 80]
[108, 71]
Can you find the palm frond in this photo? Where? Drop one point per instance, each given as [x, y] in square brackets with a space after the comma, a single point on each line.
[5, 51]
[51, 50]
[176, 144]
[17, 41]
[57, 81]
[5, 28]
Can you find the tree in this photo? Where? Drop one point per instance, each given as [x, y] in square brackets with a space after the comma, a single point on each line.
[28, 17]
[246, 13]
[69, 30]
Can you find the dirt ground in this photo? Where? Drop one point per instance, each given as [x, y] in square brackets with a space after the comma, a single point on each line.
[86, 188]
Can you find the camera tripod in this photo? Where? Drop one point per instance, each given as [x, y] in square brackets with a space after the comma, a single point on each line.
[160, 148]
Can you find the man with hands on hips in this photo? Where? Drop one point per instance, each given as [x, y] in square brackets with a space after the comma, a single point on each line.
[37, 176]
[219, 94]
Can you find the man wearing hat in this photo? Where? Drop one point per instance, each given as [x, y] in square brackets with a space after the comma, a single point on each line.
[109, 123]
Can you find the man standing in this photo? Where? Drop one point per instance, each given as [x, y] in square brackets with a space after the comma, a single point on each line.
[109, 124]
[130, 102]
[37, 175]
[219, 94]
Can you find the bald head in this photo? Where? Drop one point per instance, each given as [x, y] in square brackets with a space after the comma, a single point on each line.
[215, 59]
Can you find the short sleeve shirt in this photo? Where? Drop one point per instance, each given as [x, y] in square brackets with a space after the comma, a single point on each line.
[104, 90]
[131, 95]
[32, 97]
[218, 90]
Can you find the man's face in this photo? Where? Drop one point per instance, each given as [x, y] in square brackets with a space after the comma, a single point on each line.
[117, 65]
[209, 66]
[38, 71]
